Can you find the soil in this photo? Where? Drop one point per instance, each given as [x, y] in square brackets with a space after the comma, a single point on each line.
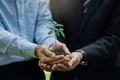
[59, 52]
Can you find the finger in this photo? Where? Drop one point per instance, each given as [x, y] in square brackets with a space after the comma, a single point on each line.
[68, 56]
[57, 58]
[41, 65]
[45, 67]
[61, 67]
[64, 47]
[48, 68]
[63, 60]
[48, 57]
[52, 61]
[54, 67]
[44, 52]
[73, 62]
[48, 53]
[60, 60]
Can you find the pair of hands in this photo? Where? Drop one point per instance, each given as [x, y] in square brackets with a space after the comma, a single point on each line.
[49, 61]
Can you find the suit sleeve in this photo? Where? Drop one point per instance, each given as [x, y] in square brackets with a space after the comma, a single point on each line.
[106, 47]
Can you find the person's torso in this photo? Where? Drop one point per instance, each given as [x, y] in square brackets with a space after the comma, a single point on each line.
[83, 29]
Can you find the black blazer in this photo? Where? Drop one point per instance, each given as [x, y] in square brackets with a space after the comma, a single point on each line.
[97, 32]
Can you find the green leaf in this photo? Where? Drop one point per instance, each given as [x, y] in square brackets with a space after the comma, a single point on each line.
[60, 29]
[59, 25]
[56, 29]
[55, 23]
[50, 32]
[62, 33]
[57, 32]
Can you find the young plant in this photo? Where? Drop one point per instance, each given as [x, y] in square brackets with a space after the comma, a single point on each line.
[58, 31]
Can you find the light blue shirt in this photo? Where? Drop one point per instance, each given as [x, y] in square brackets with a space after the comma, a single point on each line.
[23, 26]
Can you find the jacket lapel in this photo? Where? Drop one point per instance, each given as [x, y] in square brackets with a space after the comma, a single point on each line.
[92, 8]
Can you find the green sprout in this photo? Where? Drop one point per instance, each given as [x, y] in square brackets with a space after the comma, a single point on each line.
[58, 29]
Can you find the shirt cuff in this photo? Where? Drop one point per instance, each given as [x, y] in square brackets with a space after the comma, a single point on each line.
[49, 42]
[31, 50]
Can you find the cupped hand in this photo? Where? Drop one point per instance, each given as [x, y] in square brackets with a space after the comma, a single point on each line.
[60, 46]
[75, 60]
[46, 56]
[49, 67]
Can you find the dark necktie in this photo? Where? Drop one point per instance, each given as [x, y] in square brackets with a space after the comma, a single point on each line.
[86, 5]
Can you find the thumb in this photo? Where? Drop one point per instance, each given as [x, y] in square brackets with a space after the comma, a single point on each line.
[66, 50]
[48, 53]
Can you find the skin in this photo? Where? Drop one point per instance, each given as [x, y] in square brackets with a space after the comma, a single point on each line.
[75, 59]
[45, 55]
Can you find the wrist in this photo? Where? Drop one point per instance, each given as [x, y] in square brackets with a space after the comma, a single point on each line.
[37, 50]
[84, 57]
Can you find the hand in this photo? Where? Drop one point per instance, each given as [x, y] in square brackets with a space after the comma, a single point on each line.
[58, 46]
[48, 67]
[75, 60]
[46, 56]
[53, 48]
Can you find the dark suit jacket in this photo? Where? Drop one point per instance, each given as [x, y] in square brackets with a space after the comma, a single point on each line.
[97, 32]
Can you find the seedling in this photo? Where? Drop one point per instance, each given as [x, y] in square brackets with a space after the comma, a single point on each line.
[58, 30]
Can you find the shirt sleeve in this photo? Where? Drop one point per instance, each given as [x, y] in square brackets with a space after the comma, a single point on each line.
[44, 20]
[15, 45]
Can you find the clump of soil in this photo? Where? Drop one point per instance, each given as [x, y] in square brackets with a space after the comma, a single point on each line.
[59, 52]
